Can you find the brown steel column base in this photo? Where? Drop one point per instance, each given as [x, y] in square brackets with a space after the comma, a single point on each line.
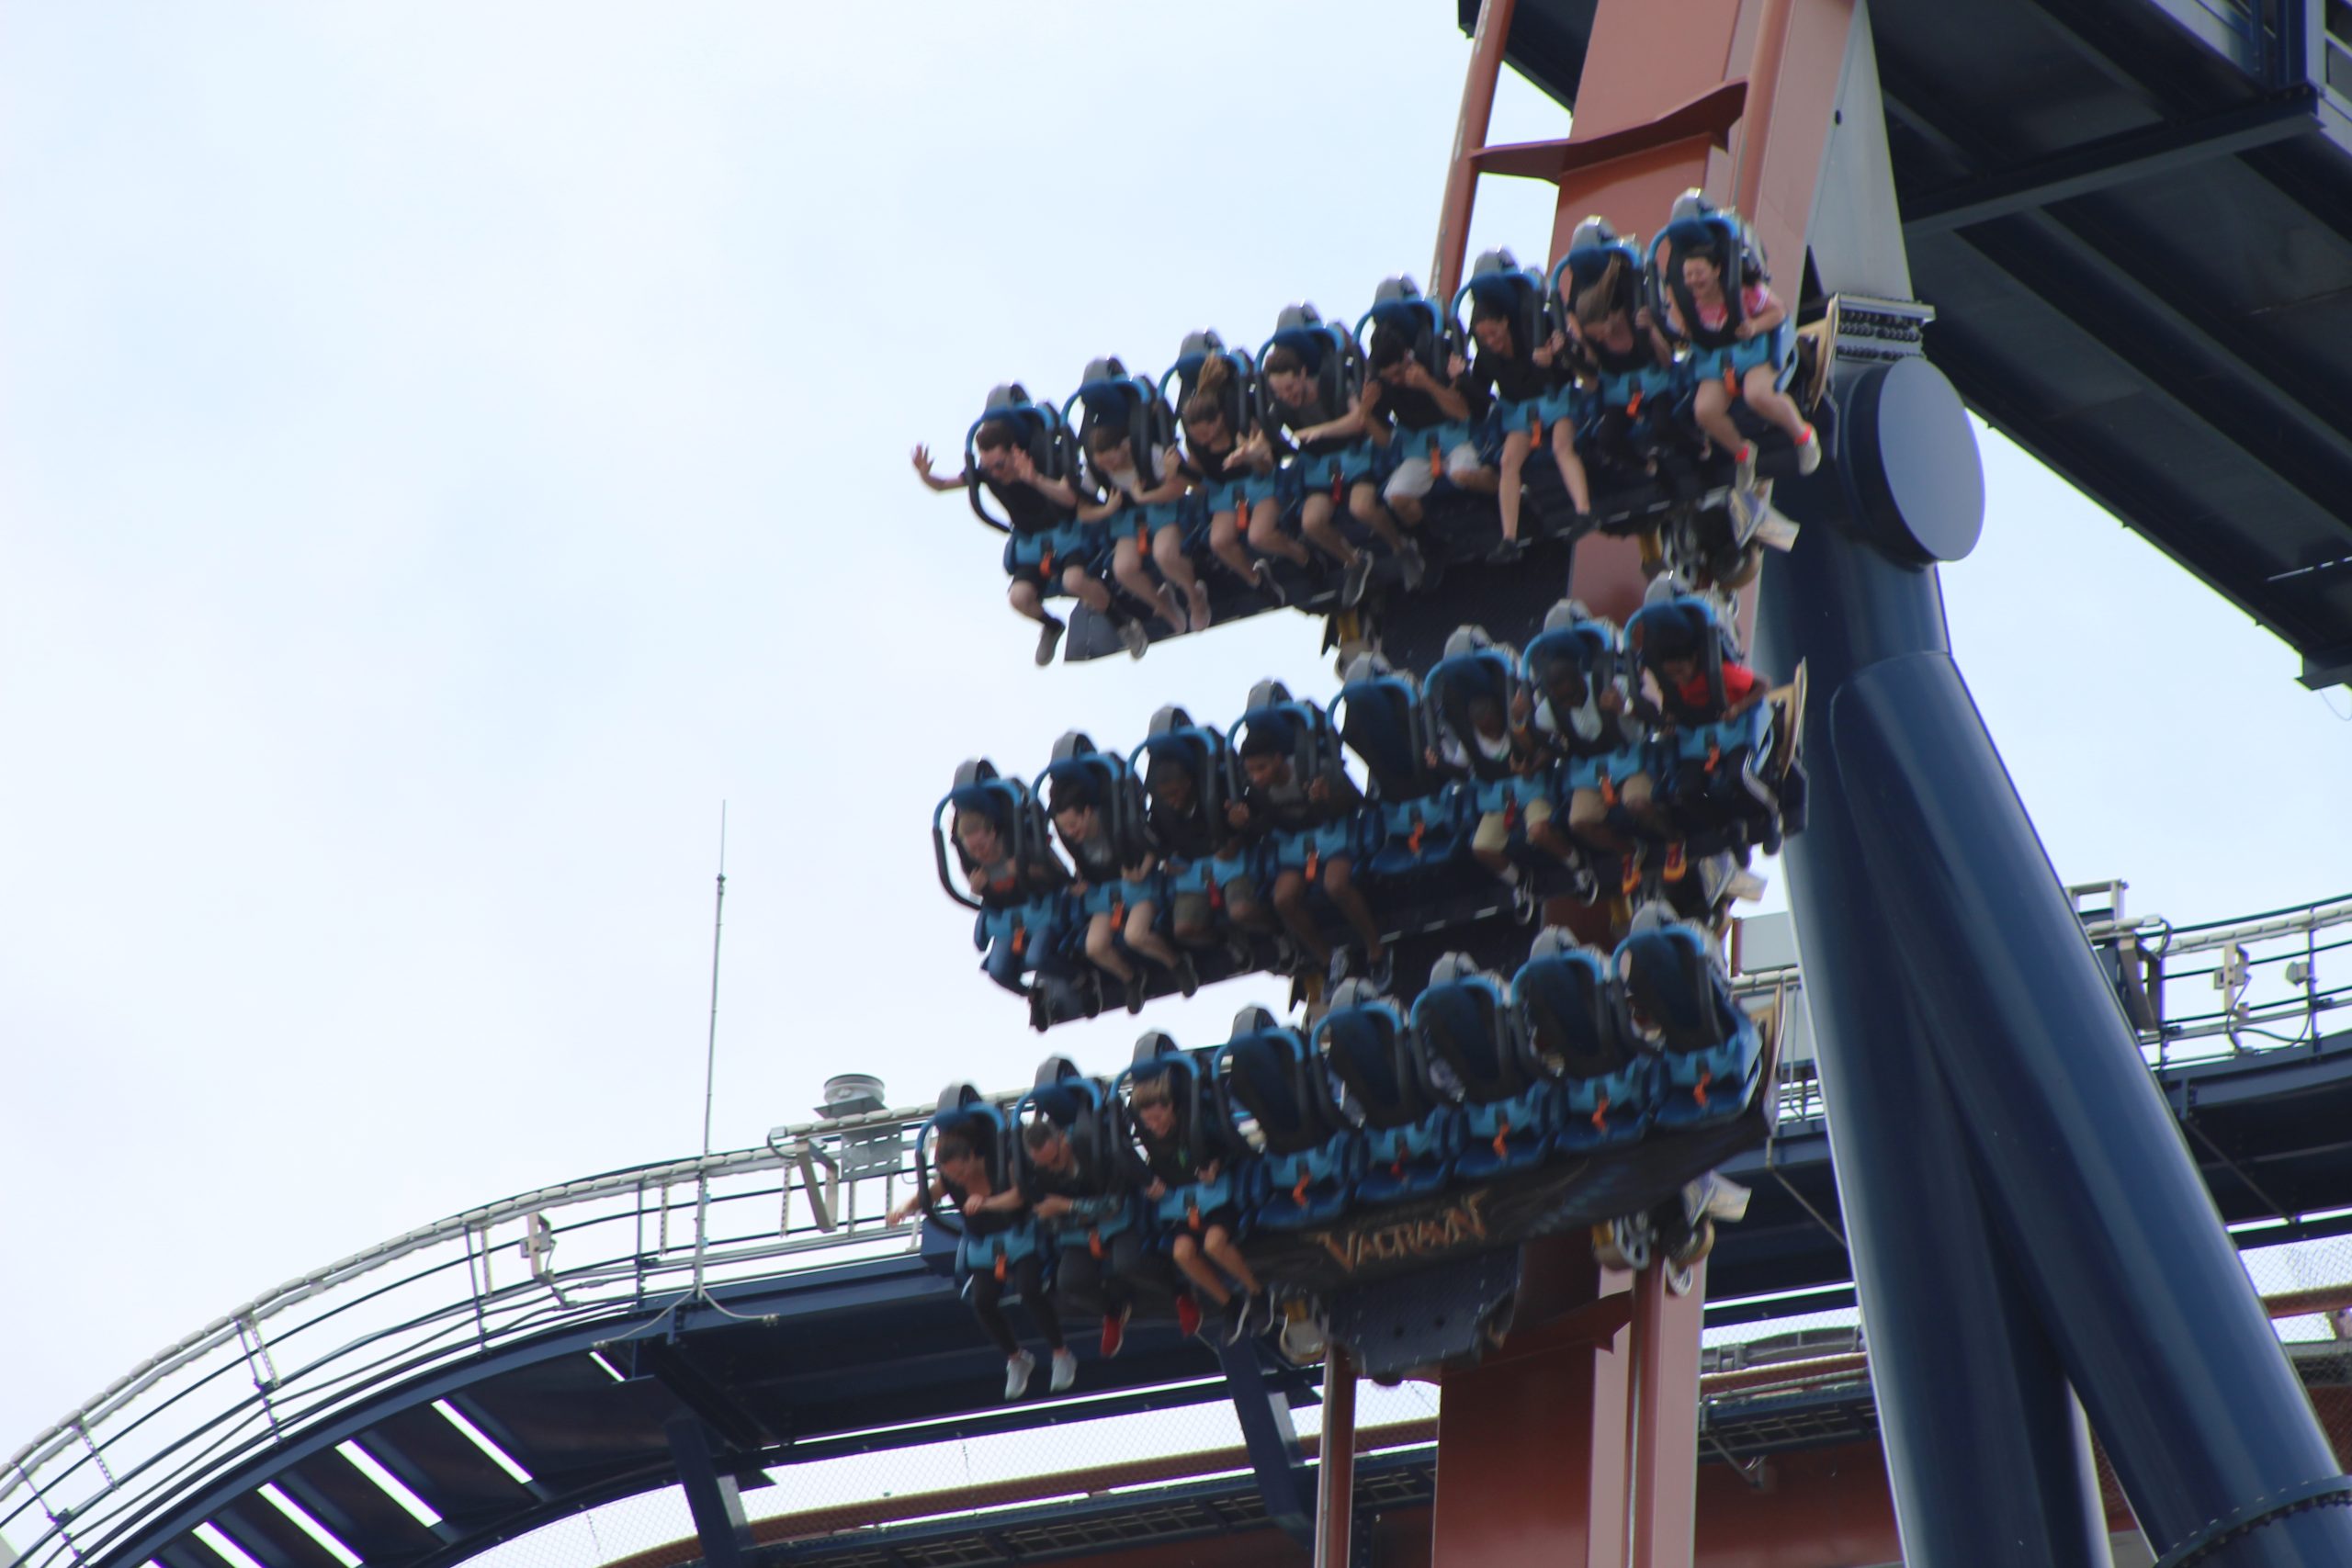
[1531, 1440]
[1663, 1437]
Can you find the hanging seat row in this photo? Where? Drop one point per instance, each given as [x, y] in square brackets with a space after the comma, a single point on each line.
[1653, 392]
[1481, 1078]
[1595, 764]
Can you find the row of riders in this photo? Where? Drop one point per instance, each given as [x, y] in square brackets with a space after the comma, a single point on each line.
[1155, 1189]
[1329, 442]
[1595, 763]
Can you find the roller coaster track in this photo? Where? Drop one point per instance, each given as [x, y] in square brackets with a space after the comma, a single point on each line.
[263, 1424]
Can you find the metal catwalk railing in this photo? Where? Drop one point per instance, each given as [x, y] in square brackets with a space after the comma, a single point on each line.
[611, 1247]
[2265, 982]
[643, 1241]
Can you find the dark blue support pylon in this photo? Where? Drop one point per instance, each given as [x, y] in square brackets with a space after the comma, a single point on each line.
[713, 1497]
[1271, 1439]
[2016, 1087]
[2026, 1225]
[1986, 1453]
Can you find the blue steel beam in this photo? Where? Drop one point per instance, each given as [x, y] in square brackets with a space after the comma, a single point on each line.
[713, 1496]
[2111, 161]
[1985, 1454]
[1920, 864]
[1263, 1410]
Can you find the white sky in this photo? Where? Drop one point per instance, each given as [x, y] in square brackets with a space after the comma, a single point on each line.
[445, 450]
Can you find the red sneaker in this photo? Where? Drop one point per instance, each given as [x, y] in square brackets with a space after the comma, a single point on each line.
[1114, 1332]
[1188, 1316]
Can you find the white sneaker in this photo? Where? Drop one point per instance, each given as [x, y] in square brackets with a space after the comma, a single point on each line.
[1017, 1374]
[1134, 638]
[1743, 467]
[1064, 1370]
[1808, 451]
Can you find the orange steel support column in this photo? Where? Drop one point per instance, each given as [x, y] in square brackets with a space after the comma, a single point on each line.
[1469, 138]
[1663, 87]
[1335, 1481]
[1531, 1444]
[1665, 1428]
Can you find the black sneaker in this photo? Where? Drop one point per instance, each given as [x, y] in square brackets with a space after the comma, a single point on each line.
[1523, 902]
[1187, 973]
[1269, 584]
[1049, 638]
[1408, 557]
[1136, 992]
[1339, 968]
[1384, 971]
[1358, 576]
[1507, 551]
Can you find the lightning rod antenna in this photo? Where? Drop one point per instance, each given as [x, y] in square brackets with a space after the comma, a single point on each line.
[710, 1064]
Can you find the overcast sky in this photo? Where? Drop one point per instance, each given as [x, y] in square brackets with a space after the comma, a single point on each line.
[447, 449]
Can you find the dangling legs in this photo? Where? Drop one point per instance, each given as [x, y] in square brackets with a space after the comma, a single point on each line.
[1127, 565]
[1710, 406]
[1103, 947]
[1571, 466]
[1266, 535]
[1365, 506]
[1339, 881]
[1516, 447]
[1290, 902]
[1088, 590]
[1414, 479]
[1205, 1275]
[1489, 845]
[1588, 821]
[1168, 554]
[1225, 543]
[1218, 1244]
[1027, 598]
[1772, 404]
[1465, 470]
[1142, 939]
[1542, 833]
[1314, 515]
